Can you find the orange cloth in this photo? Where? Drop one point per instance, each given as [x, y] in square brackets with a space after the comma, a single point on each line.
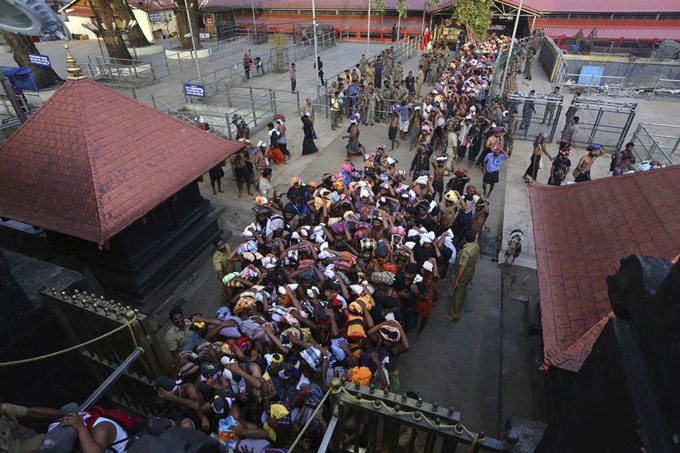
[362, 375]
[277, 156]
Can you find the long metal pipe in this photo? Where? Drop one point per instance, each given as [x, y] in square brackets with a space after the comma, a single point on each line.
[316, 51]
[193, 42]
[117, 373]
[508, 60]
[368, 34]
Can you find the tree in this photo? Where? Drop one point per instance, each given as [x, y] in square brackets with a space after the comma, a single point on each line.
[474, 15]
[124, 12]
[115, 46]
[21, 46]
[183, 24]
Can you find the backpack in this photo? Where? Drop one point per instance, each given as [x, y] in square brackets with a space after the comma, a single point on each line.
[612, 165]
[129, 422]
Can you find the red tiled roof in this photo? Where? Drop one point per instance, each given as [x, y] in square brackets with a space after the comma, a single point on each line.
[604, 6]
[343, 5]
[91, 161]
[581, 232]
[338, 21]
[612, 29]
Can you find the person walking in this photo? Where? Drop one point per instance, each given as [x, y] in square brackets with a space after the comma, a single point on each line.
[569, 133]
[528, 111]
[283, 138]
[531, 55]
[335, 111]
[535, 162]
[492, 168]
[394, 32]
[560, 168]
[622, 159]
[293, 78]
[247, 63]
[572, 110]
[308, 145]
[420, 79]
[319, 68]
[509, 139]
[550, 109]
[465, 271]
[579, 36]
[371, 102]
[308, 107]
[582, 170]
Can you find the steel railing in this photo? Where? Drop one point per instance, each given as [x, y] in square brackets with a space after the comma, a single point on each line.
[608, 85]
[662, 84]
[393, 418]
[657, 142]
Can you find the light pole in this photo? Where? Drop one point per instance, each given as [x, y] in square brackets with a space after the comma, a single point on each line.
[316, 51]
[512, 42]
[193, 42]
[252, 7]
[368, 34]
[98, 34]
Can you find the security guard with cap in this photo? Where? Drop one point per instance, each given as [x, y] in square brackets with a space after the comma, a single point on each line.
[222, 264]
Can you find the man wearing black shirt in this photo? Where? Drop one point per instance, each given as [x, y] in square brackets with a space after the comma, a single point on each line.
[402, 284]
[410, 83]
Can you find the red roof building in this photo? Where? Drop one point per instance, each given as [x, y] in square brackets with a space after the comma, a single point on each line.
[581, 233]
[91, 161]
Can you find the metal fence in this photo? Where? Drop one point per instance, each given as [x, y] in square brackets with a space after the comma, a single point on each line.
[658, 142]
[143, 72]
[665, 87]
[87, 316]
[398, 423]
[533, 123]
[593, 84]
[532, 41]
[603, 122]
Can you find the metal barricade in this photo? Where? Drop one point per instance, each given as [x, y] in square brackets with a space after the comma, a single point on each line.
[393, 417]
[657, 142]
[85, 317]
[603, 122]
[537, 113]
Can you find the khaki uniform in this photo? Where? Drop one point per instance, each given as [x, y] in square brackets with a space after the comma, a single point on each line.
[420, 79]
[7, 443]
[372, 101]
[467, 257]
[176, 338]
[221, 263]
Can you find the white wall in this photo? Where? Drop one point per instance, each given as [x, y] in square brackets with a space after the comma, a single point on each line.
[145, 24]
[75, 25]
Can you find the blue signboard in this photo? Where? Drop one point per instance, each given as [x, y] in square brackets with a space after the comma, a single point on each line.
[194, 90]
[155, 17]
[39, 60]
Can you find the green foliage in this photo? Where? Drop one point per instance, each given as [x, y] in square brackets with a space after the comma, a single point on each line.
[401, 9]
[475, 15]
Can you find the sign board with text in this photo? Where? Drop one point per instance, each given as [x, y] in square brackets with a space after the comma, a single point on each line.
[155, 17]
[194, 90]
[39, 60]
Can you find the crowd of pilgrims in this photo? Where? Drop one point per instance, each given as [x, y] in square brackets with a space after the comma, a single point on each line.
[332, 279]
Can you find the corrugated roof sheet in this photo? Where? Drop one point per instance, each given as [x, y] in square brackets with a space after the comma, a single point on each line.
[604, 6]
[612, 29]
[91, 161]
[581, 233]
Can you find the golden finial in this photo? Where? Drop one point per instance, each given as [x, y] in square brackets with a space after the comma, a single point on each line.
[74, 71]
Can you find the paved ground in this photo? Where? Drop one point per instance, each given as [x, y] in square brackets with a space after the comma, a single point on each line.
[480, 365]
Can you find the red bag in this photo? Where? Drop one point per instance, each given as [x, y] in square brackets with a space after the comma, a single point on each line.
[130, 423]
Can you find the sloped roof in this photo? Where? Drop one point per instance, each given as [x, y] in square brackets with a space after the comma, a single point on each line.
[611, 29]
[91, 161]
[604, 6]
[581, 233]
[343, 5]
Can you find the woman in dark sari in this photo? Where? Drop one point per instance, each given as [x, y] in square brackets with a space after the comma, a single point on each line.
[308, 146]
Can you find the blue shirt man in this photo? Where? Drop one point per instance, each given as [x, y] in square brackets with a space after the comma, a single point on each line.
[491, 168]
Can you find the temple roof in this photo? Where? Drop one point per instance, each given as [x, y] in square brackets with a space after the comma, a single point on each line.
[582, 231]
[91, 161]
